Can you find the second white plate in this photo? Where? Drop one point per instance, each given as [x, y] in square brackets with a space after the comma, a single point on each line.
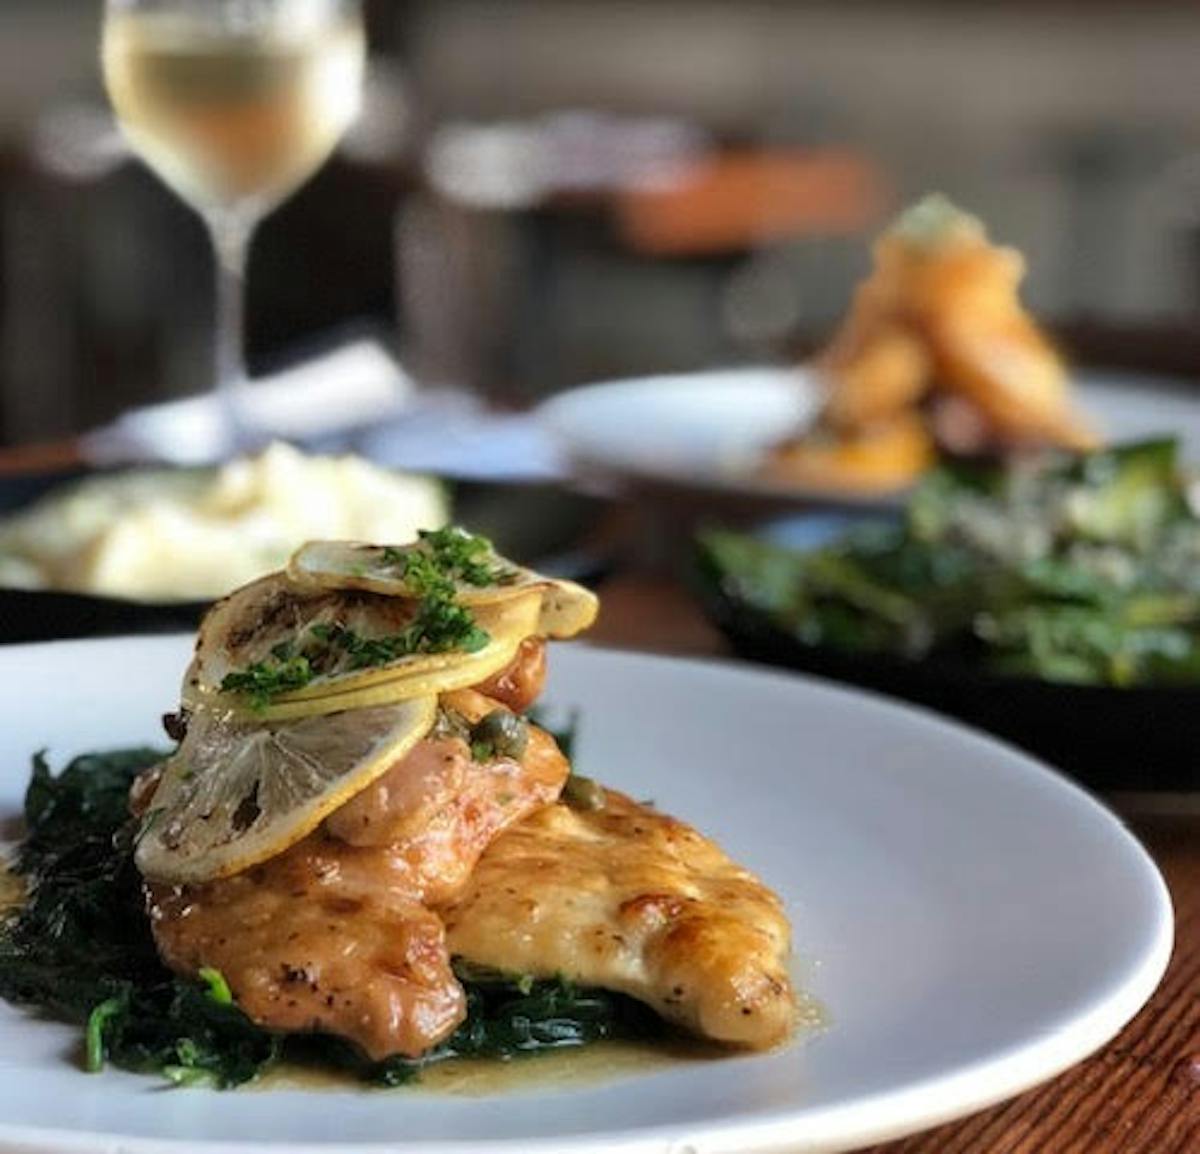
[708, 430]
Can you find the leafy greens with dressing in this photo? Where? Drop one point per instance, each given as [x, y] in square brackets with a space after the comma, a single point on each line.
[1081, 569]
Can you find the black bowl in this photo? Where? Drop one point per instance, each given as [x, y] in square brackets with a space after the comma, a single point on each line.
[540, 525]
[1137, 739]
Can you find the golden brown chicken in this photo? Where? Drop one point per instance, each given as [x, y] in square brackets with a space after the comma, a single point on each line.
[335, 933]
[629, 899]
[453, 839]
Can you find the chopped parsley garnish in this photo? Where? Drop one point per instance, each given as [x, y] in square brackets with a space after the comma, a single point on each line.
[438, 627]
[431, 572]
[446, 557]
[263, 681]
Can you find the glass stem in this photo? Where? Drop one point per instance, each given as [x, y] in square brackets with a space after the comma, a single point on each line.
[231, 246]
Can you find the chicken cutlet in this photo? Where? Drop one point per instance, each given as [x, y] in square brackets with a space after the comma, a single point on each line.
[335, 934]
[629, 899]
[447, 839]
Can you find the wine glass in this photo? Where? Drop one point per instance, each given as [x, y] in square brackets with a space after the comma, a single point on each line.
[235, 104]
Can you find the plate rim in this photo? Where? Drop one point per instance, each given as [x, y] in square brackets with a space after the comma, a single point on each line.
[734, 484]
[894, 1113]
[722, 481]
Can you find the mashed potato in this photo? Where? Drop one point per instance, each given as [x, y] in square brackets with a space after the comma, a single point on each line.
[160, 535]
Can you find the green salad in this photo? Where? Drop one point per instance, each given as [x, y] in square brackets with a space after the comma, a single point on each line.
[78, 947]
[1078, 569]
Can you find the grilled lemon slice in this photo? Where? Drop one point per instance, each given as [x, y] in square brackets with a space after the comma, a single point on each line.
[237, 793]
[246, 626]
[479, 579]
[274, 642]
[365, 690]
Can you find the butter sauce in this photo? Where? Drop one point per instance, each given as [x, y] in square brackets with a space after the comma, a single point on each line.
[571, 1068]
[567, 1069]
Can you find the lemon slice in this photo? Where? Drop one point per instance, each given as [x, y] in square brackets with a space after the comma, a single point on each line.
[488, 578]
[244, 627]
[273, 642]
[237, 793]
[506, 624]
[360, 692]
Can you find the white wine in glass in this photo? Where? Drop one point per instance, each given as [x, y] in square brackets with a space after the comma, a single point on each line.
[234, 103]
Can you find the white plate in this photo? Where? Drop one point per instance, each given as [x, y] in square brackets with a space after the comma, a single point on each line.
[972, 923]
[709, 429]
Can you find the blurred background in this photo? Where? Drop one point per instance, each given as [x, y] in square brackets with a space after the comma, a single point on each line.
[543, 192]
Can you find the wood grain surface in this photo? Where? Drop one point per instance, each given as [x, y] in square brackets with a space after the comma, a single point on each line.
[1140, 1094]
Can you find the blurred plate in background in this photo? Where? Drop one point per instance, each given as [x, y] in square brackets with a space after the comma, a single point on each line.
[541, 525]
[707, 431]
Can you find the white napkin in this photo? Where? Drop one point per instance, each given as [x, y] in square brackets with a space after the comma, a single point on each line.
[354, 398]
[355, 385]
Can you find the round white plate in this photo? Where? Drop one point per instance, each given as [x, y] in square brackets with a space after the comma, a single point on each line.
[709, 429]
[972, 923]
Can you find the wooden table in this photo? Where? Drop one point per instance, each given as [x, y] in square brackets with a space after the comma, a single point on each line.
[1138, 1095]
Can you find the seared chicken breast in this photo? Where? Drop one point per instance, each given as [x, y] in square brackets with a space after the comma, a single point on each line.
[324, 937]
[629, 899]
[456, 852]
[519, 684]
[335, 934]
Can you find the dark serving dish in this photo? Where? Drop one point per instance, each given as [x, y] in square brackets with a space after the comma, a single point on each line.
[1132, 739]
[538, 524]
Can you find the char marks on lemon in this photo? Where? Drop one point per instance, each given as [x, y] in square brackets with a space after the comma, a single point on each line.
[276, 649]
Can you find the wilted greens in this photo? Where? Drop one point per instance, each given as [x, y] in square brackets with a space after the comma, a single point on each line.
[79, 949]
[1082, 569]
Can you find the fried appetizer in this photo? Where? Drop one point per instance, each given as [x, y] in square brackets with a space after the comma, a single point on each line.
[939, 319]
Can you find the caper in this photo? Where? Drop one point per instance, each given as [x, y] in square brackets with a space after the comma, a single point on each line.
[583, 793]
[500, 734]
